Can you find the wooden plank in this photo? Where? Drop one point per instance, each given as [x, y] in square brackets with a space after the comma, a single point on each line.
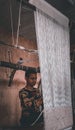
[17, 67]
[50, 11]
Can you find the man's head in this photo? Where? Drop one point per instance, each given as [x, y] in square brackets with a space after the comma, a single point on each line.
[31, 77]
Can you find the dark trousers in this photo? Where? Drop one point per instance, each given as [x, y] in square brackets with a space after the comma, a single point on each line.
[27, 121]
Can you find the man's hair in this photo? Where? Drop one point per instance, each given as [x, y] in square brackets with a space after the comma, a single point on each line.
[30, 71]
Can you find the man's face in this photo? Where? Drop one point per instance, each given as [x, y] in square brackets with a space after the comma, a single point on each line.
[31, 80]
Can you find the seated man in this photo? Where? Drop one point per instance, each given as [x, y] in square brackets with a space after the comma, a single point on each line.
[31, 100]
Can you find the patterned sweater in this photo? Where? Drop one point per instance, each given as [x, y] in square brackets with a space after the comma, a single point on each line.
[31, 103]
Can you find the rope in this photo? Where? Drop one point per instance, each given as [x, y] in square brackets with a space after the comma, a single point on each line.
[18, 23]
[11, 23]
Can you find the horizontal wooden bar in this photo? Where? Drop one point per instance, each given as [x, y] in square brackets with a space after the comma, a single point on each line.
[18, 67]
[50, 11]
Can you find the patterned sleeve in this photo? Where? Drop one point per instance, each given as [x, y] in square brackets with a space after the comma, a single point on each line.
[23, 95]
[25, 101]
[38, 100]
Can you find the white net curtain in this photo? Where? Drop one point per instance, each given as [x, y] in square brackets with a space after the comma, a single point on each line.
[54, 55]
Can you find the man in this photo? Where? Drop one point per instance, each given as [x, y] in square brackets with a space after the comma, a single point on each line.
[31, 100]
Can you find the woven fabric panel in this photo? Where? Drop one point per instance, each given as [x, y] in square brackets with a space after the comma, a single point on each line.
[54, 55]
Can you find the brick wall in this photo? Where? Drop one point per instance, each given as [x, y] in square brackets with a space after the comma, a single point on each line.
[10, 109]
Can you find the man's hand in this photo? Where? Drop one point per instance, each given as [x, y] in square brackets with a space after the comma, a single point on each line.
[28, 102]
[38, 102]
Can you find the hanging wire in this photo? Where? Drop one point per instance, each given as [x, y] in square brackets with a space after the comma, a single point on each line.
[18, 46]
[18, 23]
[11, 18]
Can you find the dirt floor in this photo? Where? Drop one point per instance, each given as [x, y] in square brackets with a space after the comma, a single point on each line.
[36, 127]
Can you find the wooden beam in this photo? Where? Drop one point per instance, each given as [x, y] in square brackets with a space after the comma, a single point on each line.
[17, 67]
[11, 77]
[50, 11]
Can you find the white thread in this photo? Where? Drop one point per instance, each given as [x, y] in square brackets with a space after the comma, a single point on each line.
[11, 23]
[18, 23]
